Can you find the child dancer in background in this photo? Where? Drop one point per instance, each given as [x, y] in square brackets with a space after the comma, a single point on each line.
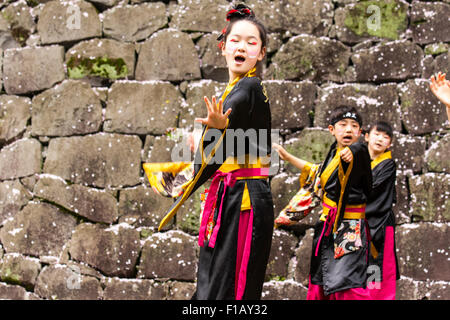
[441, 89]
[340, 246]
[237, 220]
[380, 217]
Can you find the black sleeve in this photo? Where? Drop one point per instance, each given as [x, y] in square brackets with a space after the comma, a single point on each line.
[240, 103]
[360, 177]
[362, 171]
[383, 191]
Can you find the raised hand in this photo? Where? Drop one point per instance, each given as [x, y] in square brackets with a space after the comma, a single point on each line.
[284, 155]
[216, 118]
[441, 88]
[346, 155]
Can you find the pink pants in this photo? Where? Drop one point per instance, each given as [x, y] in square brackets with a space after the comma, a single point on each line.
[315, 292]
[385, 290]
[243, 251]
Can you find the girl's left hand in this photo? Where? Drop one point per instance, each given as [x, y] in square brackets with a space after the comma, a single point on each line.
[216, 118]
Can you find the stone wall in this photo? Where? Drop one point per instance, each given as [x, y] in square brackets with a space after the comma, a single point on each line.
[90, 90]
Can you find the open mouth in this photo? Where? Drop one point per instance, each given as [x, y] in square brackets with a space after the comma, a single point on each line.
[239, 59]
[347, 138]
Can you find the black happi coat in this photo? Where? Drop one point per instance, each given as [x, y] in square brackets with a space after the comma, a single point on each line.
[216, 267]
[379, 209]
[348, 271]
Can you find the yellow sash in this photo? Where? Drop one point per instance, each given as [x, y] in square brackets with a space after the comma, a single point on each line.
[347, 215]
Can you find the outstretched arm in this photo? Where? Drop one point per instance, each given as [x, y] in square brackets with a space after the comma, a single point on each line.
[441, 89]
[286, 156]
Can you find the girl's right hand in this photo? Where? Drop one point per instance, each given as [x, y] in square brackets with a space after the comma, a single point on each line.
[191, 142]
[441, 88]
[281, 151]
[216, 118]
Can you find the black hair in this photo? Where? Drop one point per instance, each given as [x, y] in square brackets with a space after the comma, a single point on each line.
[345, 112]
[243, 12]
[384, 127]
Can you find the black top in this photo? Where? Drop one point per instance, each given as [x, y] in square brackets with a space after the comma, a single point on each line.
[379, 205]
[360, 181]
[350, 270]
[248, 131]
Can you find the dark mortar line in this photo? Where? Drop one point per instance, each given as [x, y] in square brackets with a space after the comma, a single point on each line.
[28, 255]
[290, 131]
[404, 130]
[136, 58]
[142, 137]
[409, 198]
[13, 139]
[138, 261]
[170, 281]
[25, 187]
[372, 82]
[90, 266]
[79, 218]
[18, 178]
[27, 289]
[70, 259]
[81, 135]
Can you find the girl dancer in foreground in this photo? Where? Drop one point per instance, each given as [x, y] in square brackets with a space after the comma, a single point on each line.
[237, 220]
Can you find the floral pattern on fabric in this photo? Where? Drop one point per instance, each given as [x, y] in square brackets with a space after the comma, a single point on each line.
[348, 237]
[304, 201]
[211, 223]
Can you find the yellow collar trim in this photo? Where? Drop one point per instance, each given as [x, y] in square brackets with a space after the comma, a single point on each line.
[230, 86]
[380, 158]
[342, 176]
[334, 163]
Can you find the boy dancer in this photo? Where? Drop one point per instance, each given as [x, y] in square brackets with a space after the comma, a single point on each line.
[380, 217]
[340, 246]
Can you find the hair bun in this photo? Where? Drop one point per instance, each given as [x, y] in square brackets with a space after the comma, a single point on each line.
[240, 11]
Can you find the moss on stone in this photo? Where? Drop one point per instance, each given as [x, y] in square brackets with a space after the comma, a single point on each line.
[277, 278]
[436, 48]
[312, 146]
[100, 66]
[306, 63]
[145, 233]
[10, 277]
[393, 19]
[406, 103]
